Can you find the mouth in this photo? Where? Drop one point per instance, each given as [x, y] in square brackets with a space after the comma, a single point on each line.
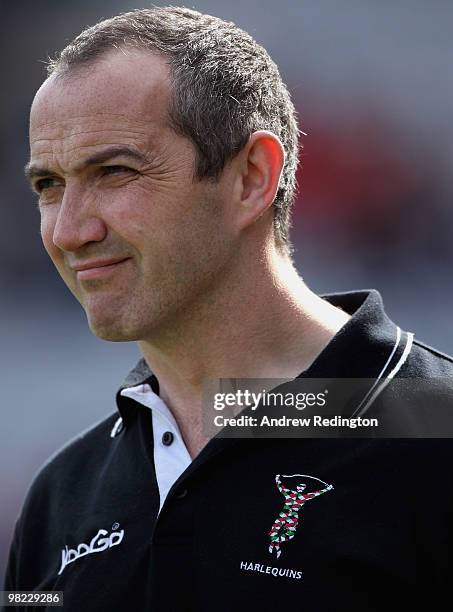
[95, 270]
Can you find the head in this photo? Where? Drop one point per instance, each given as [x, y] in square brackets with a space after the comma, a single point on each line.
[150, 130]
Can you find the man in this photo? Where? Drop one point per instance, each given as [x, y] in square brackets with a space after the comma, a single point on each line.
[284, 527]
[163, 151]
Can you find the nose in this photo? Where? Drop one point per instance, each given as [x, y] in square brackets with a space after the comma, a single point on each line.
[78, 221]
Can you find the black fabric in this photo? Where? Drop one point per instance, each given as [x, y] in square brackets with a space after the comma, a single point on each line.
[381, 538]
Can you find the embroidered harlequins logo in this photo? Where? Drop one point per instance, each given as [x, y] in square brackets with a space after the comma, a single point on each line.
[285, 525]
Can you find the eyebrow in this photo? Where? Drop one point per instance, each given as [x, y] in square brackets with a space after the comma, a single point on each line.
[33, 170]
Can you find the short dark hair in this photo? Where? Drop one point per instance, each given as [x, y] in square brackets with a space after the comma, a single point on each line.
[225, 87]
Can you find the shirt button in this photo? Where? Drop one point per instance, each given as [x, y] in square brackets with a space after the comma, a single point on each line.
[167, 438]
[181, 494]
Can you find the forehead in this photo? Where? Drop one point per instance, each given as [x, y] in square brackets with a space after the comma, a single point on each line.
[122, 98]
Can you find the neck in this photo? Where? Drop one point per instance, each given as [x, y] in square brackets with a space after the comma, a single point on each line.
[261, 322]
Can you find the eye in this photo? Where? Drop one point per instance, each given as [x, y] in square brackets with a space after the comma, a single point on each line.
[116, 169]
[46, 183]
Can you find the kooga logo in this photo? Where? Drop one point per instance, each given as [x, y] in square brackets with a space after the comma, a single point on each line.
[96, 545]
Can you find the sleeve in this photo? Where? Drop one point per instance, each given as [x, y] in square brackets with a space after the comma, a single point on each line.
[10, 579]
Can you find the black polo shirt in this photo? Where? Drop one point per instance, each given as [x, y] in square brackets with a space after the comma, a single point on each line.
[361, 524]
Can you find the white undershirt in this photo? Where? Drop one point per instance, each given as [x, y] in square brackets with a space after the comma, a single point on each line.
[169, 461]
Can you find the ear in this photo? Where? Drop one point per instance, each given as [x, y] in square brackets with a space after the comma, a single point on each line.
[263, 159]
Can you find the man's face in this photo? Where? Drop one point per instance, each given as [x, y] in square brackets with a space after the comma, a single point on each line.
[134, 235]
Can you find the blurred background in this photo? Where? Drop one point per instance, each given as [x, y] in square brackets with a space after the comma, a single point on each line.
[372, 82]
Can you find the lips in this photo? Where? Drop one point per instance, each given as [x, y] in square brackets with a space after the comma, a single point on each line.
[94, 269]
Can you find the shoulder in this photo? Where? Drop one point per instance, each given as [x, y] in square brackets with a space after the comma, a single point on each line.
[418, 401]
[424, 361]
[70, 474]
[75, 461]
[92, 440]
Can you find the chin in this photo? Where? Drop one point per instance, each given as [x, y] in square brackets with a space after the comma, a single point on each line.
[112, 331]
[112, 336]
[124, 323]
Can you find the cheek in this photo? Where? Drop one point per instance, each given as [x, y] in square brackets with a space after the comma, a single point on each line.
[129, 214]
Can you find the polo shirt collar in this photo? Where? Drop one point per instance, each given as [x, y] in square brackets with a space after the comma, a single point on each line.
[363, 348]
